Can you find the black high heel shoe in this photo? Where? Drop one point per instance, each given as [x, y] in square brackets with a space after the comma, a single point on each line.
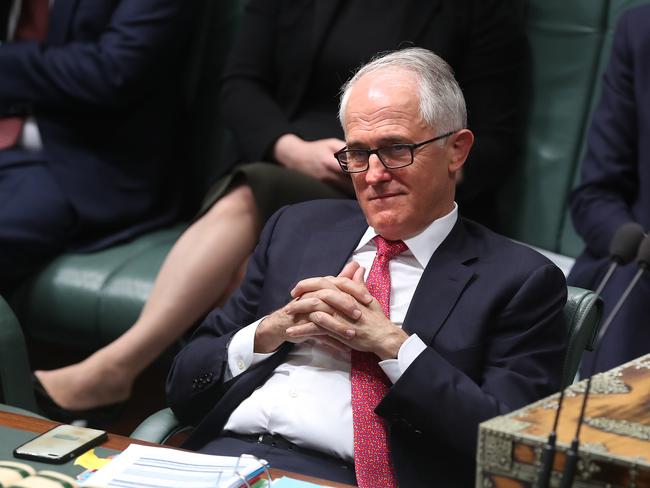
[99, 417]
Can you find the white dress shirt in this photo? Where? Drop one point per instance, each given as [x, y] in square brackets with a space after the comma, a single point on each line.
[307, 399]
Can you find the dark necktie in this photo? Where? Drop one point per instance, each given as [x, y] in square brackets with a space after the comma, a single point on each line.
[31, 26]
[369, 385]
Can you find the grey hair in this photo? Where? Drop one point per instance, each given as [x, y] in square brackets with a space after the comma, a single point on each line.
[442, 105]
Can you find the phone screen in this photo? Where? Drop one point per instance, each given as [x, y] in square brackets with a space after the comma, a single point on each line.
[60, 443]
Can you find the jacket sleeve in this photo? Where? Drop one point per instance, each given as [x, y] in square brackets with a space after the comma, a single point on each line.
[521, 357]
[609, 172]
[107, 70]
[249, 83]
[196, 380]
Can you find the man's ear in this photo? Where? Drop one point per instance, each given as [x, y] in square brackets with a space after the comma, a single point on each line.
[459, 145]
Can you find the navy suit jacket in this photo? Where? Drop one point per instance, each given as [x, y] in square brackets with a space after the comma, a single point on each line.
[103, 88]
[489, 310]
[615, 186]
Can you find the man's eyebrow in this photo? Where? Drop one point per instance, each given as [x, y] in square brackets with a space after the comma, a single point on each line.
[386, 141]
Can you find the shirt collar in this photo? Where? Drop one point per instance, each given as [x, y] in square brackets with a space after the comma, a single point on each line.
[424, 244]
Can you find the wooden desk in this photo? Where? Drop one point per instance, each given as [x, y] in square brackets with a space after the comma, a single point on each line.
[118, 442]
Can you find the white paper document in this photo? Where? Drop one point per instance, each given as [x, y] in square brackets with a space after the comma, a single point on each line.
[146, 466]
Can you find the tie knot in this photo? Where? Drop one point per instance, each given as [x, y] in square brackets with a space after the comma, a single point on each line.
[389, 249]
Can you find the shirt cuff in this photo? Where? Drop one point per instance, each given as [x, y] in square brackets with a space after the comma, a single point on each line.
[240, 351]
[409, 350]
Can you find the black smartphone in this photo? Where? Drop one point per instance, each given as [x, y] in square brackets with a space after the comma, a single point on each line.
[60, 444]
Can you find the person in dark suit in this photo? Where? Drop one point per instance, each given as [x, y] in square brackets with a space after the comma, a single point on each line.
[462, 325]
[615, 188]
[280, 94]
[87, 118]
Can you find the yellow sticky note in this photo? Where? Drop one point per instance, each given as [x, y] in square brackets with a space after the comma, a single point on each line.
[89, 460]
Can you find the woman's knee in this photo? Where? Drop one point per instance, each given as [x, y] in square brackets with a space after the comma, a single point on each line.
[238, 202]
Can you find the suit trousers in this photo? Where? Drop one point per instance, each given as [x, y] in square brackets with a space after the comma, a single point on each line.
[36, 219]
[311, 464]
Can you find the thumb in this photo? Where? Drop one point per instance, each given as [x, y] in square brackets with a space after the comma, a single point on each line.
[349, 270]
[358, 274]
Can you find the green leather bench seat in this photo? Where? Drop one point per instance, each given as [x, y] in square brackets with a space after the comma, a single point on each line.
[90, 299]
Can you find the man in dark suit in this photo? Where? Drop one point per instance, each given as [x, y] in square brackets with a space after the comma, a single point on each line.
[87, 91]
[313, 369]
[615, 188]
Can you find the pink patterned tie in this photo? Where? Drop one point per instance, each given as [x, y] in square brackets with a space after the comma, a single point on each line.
[369, 385]
[32, 25]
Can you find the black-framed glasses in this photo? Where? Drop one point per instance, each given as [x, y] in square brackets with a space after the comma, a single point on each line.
[392, 157]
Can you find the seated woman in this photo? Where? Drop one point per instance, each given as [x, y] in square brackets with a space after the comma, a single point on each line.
[280, 91]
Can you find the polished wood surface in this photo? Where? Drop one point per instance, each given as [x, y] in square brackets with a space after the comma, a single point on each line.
[119, 442]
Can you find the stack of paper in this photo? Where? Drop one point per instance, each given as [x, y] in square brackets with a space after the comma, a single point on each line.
[145, 466]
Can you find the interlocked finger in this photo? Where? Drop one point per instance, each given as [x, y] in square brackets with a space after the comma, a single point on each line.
[332, 302]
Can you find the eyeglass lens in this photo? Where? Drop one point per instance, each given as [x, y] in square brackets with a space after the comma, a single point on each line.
[392, 156]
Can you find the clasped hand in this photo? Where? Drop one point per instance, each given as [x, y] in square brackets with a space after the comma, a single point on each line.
[336, 311]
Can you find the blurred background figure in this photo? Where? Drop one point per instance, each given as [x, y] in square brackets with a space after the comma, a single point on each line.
[86, 125]
[615, 188]
[280, 100]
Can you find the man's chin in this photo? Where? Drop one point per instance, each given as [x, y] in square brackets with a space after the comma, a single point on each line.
[386, 223]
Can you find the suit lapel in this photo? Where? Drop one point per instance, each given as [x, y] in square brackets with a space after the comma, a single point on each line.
[60, 18]
[329, 249]
[441, 285]
[420, 18]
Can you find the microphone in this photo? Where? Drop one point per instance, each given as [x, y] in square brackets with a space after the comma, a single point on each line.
[643, 261]
[622, 250]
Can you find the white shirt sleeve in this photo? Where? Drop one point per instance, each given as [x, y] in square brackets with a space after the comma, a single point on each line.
[240, 351]
[410, 349]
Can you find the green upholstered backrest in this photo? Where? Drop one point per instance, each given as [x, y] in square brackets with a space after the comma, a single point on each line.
[564, 50]
[569, 45]
[582, 313]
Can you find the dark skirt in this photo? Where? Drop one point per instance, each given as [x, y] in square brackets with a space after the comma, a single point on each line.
[273, 187]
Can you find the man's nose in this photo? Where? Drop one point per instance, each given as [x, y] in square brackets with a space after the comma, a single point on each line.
[377, 172]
